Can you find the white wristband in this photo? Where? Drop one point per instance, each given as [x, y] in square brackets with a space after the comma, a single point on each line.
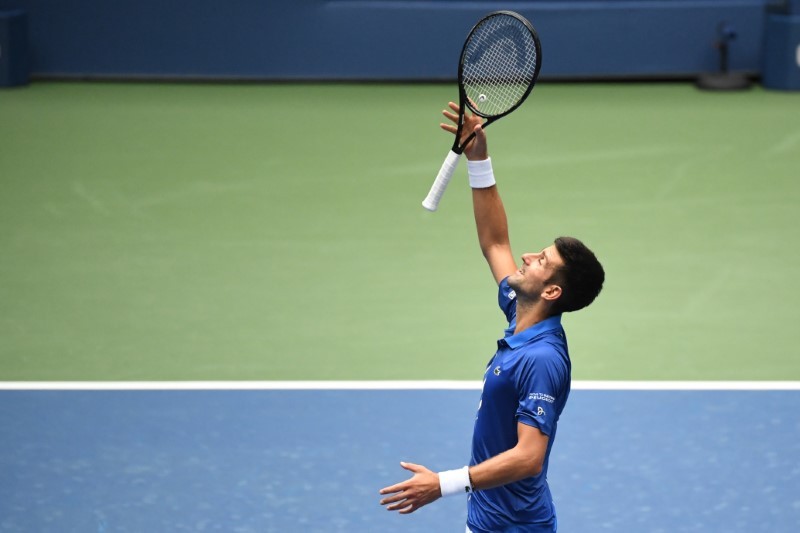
[481, 175]
[455, 482]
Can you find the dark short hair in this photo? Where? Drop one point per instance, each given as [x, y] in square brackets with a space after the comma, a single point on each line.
[581, 277]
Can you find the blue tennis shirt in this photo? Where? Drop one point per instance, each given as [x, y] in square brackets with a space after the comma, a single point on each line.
[527, 380]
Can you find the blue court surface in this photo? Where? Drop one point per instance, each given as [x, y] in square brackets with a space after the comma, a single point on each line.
[314, 460]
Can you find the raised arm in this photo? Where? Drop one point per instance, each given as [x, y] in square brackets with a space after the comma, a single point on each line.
[490, 215]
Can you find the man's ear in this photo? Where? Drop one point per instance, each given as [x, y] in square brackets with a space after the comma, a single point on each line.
[551, 293]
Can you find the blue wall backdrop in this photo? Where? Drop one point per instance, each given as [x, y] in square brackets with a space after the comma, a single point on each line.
[412, 40]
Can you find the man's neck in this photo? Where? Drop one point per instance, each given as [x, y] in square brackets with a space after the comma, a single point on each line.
[530, 313]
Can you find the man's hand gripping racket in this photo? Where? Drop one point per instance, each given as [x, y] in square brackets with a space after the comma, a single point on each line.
[474, 140]
[498, 67]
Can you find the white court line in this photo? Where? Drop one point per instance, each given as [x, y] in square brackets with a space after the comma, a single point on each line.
[240, 385]
[686, 385]
[384, 385]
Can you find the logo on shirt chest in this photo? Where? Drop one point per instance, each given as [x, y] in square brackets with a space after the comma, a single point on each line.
[497, 371]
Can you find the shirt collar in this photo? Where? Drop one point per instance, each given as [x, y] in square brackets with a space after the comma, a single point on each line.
[514, 341]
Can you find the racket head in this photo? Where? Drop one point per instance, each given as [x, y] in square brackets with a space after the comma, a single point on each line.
[499, 64]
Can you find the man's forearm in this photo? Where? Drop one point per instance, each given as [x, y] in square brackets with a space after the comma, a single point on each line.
[490, 218]
[507, 467]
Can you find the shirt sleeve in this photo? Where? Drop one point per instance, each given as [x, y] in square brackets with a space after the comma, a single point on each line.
[540, 384]
[507, 299]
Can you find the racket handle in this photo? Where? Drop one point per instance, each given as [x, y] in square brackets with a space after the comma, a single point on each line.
[431, 202]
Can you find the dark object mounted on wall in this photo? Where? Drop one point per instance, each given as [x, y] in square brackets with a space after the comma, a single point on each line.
[724, 79]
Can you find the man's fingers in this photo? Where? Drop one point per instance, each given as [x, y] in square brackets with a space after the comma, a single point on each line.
[400, 506]
[394, 488]
[411, 467]
[403, 505]
[398, 502]
[451, 116]
[398, 488]
[394, 499]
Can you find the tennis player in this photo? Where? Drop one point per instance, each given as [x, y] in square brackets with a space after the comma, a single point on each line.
[527, 381]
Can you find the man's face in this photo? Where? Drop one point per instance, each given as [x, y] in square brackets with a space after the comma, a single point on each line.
[537, 268]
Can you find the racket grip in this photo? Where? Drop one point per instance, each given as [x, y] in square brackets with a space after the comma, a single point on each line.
[431, 202]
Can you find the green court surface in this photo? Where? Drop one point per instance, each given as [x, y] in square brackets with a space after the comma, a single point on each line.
[275, 232]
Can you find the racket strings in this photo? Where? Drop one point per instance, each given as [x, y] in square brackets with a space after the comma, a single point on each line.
[499, 65]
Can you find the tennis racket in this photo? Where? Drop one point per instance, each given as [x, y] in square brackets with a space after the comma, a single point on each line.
[498, 67]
